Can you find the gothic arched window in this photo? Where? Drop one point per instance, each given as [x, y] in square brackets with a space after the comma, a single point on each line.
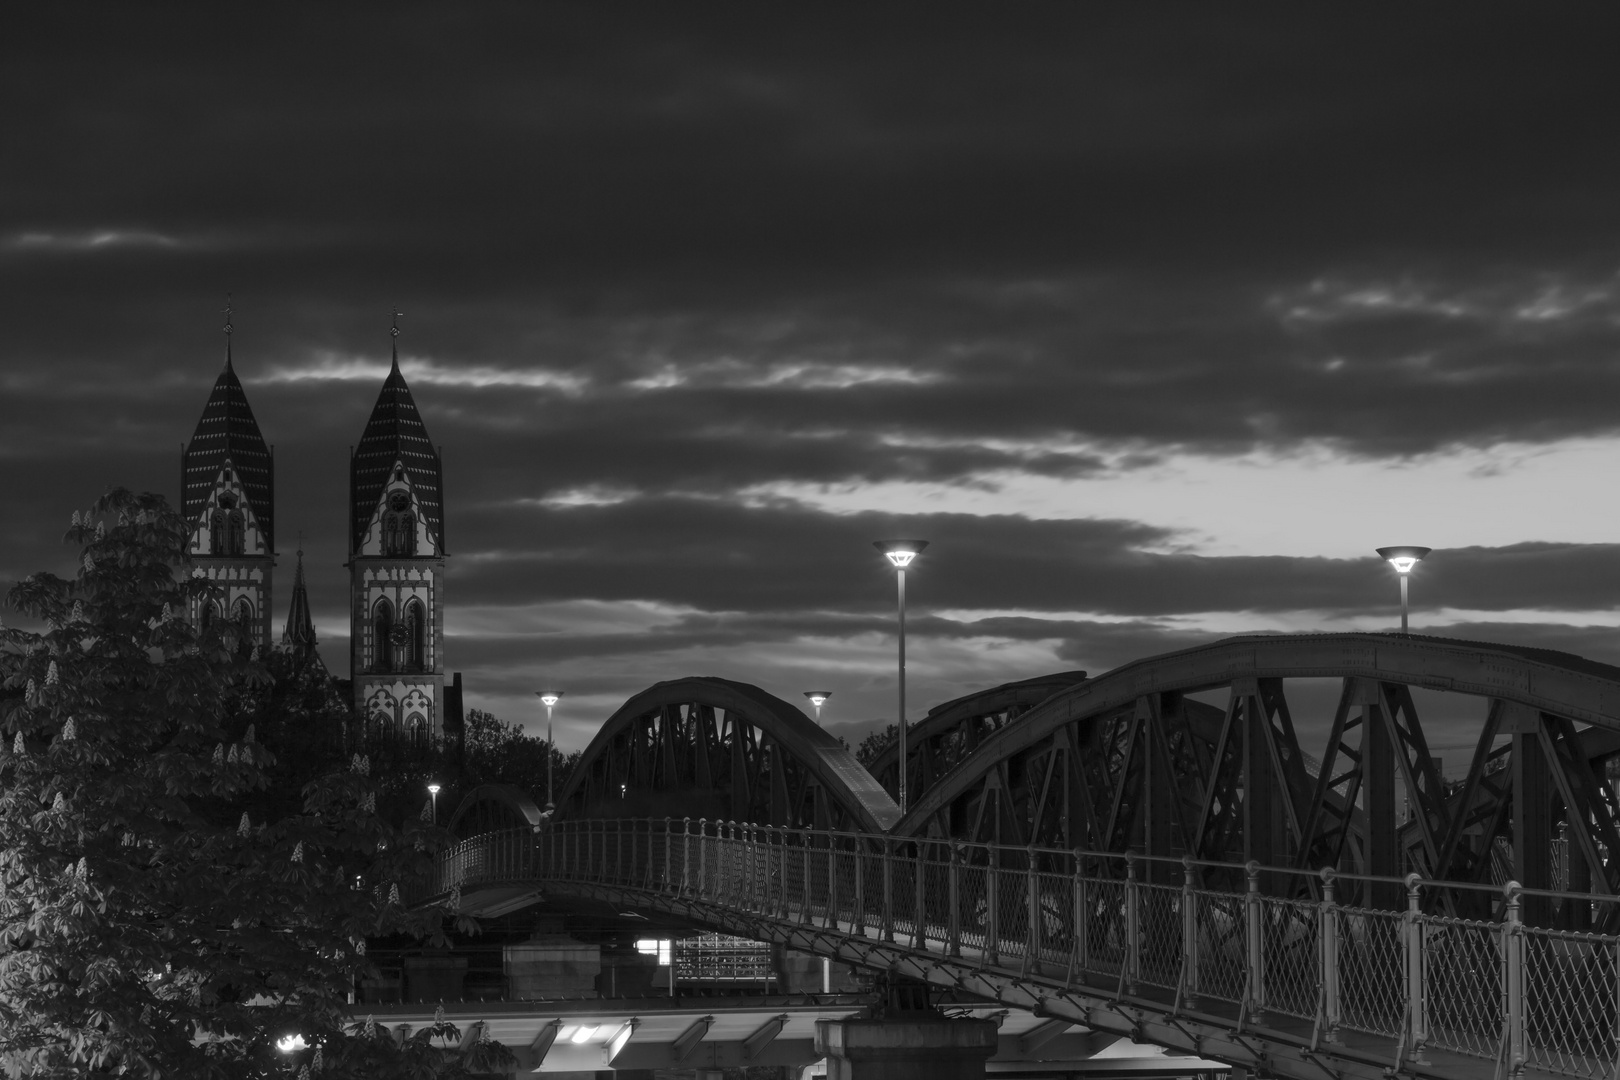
[416, 626]
[382, 637]
[382, 715]
[210, 612]
[399, 526]
[242, 616]
[227, 528]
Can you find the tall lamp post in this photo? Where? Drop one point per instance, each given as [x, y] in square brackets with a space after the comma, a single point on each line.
[900, 553]
[818, 698]
[549, 698]
[1403, 559]
[433, 793]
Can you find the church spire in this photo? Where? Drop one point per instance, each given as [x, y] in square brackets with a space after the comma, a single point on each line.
[228, 432]
[395, 441]
[299, 637]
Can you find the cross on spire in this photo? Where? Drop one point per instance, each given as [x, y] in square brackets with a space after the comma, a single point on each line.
[228, 330]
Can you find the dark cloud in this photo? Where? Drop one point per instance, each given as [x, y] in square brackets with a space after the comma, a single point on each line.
[719, 556]
[691, 258]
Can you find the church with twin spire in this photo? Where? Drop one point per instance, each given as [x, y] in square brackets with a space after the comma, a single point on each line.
[394, 525]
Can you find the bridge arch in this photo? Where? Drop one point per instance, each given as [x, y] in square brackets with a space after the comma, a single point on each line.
[951, 732]
[709, 747]
[1129, 760]
[491, 808]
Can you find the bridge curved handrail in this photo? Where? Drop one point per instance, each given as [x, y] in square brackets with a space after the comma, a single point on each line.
[948, 716]
[1543, 679]
[829, 761]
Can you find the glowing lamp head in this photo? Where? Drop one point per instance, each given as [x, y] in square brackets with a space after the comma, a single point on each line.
[291, 1044]
[583, 1033]
[548, 698]
[433, 789]
[1403, 558]
[818, 698]
[900, 552]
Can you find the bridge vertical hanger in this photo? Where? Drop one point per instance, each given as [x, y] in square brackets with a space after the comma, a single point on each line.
[1532, 810]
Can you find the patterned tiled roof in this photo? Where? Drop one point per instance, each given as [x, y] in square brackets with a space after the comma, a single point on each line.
[395, 432]
[228, 430]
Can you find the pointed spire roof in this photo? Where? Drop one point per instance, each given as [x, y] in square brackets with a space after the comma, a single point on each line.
[300, 633]
[395, 433]
[228, 431]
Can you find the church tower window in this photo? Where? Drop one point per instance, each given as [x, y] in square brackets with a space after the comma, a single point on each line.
[399, 526]
[382, 637]
[242, 616]
[416, 624]
[227, 528]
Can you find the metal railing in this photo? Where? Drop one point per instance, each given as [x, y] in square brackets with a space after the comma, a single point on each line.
[1245, 944]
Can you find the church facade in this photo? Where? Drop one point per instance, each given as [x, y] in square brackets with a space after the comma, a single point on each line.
[396, 552]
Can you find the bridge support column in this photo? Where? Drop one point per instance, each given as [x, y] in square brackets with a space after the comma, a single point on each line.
[920, 1045]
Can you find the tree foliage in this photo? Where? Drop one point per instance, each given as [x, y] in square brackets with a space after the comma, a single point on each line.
[161, 912]
[873, 746]
[497, 752]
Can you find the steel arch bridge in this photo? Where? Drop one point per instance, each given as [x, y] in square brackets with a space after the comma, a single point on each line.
[1138, 860]
[714, 748]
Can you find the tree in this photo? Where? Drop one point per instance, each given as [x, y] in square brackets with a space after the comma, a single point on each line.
[497, 752]
[157, 916]
[873, 746]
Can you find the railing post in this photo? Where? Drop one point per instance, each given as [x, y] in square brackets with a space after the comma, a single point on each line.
[1131, 960]
[1328, 964]
[992, 904]
[703, 859]
[1257, 942]
[1416, 997]
[860, 852]
[1082, 917]
[805, 890]
[1032, 932]
[1189, 933]
[748, 876]
[686, 856]
[782, 876]
[669, 854]
[832, 880]
[953, 918]
[919, 911]
[1513, 977]
[888, 889]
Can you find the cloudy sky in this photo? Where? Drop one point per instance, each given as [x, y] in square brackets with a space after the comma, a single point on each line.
[1154, 319]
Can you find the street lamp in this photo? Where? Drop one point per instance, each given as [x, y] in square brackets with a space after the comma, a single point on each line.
[900, 553]
[433, 790]
[549, 699]
[1403, 559]
[818, 698]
